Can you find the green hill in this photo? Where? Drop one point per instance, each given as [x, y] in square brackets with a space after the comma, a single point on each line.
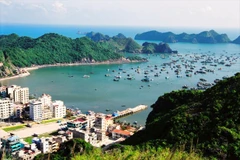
[52, 48]
[209, 121]
[169, 37]
[118, 43]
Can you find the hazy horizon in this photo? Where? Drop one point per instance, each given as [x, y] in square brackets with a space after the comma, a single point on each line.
[208, 15]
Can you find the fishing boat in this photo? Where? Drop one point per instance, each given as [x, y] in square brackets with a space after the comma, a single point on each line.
[86, 76]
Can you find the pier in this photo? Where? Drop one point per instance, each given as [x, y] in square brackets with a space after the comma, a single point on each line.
[130, 111]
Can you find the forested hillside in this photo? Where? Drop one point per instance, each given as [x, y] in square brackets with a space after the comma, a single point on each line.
[208, 121]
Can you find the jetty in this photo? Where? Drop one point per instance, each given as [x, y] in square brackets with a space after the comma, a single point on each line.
[129, 111]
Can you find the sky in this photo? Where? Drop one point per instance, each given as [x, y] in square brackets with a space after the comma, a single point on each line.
[162, 13]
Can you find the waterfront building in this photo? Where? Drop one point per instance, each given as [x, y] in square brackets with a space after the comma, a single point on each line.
[6, 108]
[78, 123]
[118, 133]
[18, 94]
[36, 111]
[100, 122]
[46, 112]
[46, 100]
[59, 109]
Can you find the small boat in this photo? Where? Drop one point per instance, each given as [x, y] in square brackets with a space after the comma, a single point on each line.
[185, 87]
[116, 79]
[86, 76]
[108, 110]
[203, 80]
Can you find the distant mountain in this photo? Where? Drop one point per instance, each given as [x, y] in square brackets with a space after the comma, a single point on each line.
[169, 37]
[124, 44]
[118, 43]
[237, 40]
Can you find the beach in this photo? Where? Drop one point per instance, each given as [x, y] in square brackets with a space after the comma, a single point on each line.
[16, 76]
[121, 61]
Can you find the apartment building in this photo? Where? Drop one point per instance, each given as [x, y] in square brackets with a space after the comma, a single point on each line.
[46, 100]
[6, 108]
[36, 111]
[59, 109]
[18, 94]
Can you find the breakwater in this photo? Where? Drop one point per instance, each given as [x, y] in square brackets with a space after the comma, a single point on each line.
[129, 111]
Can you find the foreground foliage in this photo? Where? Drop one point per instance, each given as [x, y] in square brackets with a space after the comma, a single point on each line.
[209, 120]
[78, 149]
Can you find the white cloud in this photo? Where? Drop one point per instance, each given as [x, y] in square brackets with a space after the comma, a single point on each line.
[59, 7]
[190, 13]
[5, 2]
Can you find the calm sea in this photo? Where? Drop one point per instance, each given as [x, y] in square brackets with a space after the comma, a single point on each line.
[98, 92]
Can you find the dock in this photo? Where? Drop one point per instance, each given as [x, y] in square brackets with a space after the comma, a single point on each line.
[130, 111]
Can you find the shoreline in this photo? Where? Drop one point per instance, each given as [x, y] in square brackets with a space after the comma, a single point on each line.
[16, 76]
[121, 61]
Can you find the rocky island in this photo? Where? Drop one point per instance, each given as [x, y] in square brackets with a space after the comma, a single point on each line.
[124, 44]
[237, 40]
[169, 37]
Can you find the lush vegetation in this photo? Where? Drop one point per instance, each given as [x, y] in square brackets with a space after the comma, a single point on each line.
[156, 48]
[78, 149]
[169, 37]
[122, 44]
[50, 49]
[209, 121]
[118, 43]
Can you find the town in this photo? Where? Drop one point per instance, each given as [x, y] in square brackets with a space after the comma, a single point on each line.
[30, 126]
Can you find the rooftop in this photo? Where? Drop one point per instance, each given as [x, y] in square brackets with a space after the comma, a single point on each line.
[122, 132]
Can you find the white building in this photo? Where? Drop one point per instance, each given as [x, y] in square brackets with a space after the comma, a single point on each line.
[18, 94]
[44, 145]
[48, 145]
[46, 100]
[18, 110]
[36, 111]
[59, 109]
[6, 108]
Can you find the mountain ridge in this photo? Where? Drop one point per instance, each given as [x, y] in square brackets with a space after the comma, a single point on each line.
[170, 37]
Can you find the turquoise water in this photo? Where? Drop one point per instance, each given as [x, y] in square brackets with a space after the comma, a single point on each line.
[99, 93]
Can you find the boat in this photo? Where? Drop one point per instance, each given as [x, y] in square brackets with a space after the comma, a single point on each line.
[203, 80]
[86, 76]
[116, 79]
[107, 75]
[185, 87]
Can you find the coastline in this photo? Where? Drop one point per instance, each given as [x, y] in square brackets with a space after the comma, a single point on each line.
[121, 61]
[16, 76]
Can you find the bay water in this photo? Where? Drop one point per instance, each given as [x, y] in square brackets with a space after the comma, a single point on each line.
[99, 92]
